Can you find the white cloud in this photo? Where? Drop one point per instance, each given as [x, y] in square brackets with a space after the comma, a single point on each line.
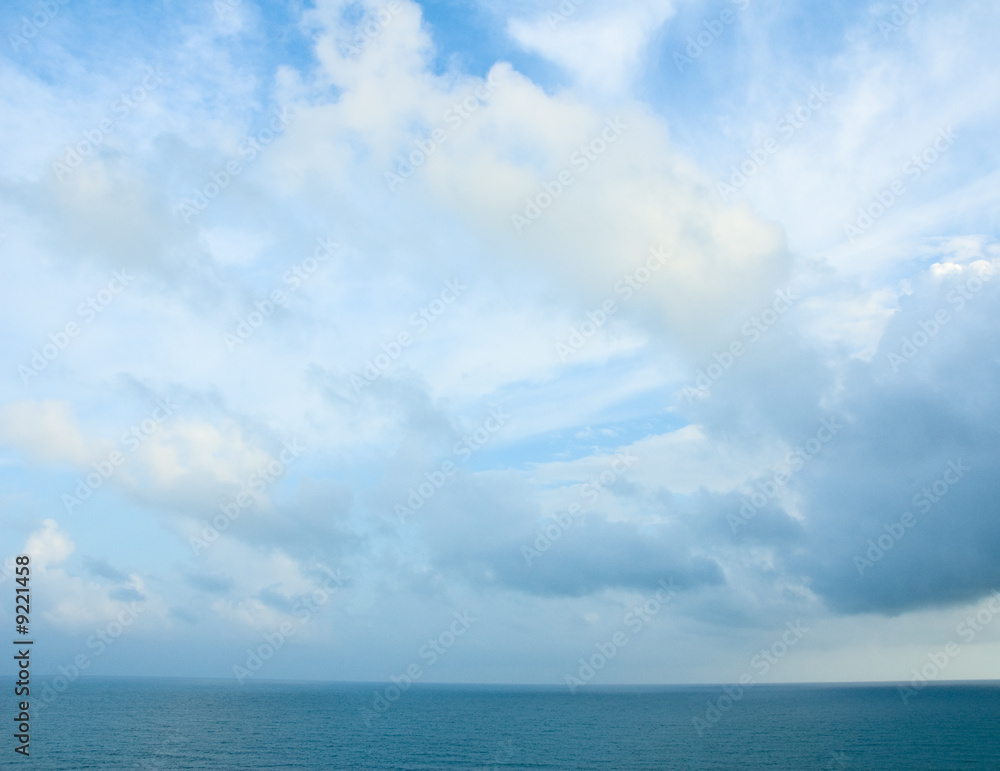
[47, 431]
[601, 44]
[48, 546]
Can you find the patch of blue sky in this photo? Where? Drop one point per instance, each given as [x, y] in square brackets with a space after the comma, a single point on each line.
[700, 68]
[470, 39]
[104, 509]
[611, 430]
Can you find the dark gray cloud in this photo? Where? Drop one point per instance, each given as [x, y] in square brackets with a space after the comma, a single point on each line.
[104, 569]
[909, 425]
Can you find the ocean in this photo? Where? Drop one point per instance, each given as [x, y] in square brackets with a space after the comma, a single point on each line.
[175, 724]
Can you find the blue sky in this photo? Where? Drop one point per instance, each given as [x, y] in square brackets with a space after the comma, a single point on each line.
[555, 303]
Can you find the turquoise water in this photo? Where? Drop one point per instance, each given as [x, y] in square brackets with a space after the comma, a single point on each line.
[198, 724]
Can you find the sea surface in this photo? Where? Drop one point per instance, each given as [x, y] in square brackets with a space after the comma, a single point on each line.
[175, 724]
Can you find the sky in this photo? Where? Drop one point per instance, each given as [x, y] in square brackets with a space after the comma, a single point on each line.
[567, 343]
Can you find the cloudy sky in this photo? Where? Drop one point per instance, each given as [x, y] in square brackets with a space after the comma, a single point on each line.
[352, 329]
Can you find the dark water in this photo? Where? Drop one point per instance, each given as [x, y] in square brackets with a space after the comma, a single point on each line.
[198, 724]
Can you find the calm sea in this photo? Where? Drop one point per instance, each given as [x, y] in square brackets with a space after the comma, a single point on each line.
[199, 724]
